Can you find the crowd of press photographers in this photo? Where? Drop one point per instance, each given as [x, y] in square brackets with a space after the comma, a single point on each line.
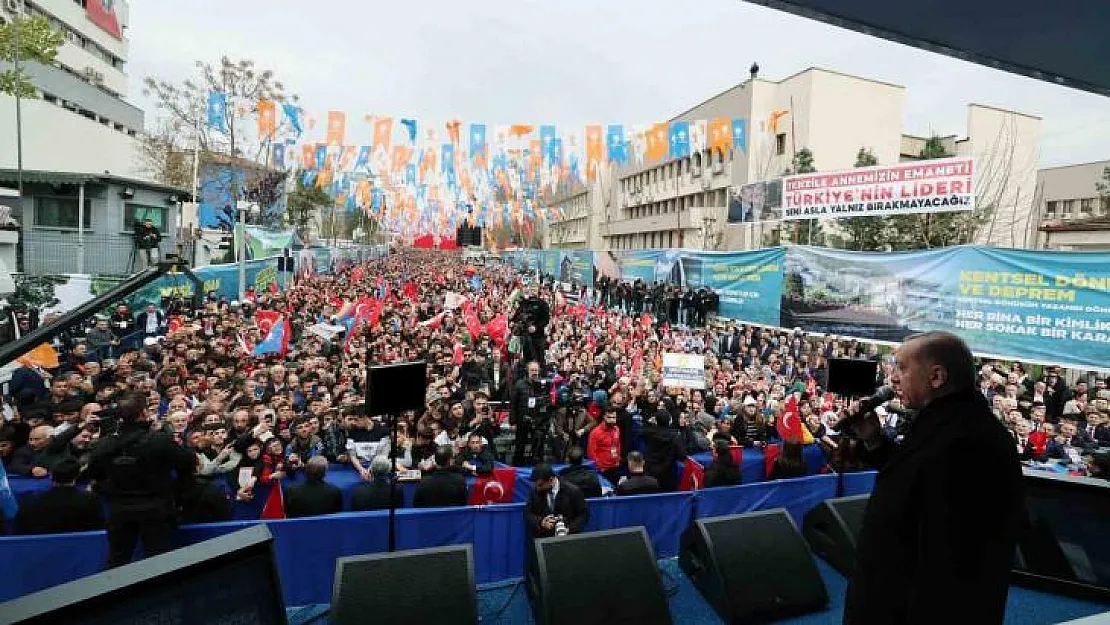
[578, 374]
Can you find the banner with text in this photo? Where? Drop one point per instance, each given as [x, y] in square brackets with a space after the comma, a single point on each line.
[749, 283]
[931, 186]
[684, 371]
[1051, 307]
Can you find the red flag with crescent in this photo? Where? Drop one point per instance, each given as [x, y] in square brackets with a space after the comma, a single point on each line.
[693, 476]
[494, 488]
[266, 320]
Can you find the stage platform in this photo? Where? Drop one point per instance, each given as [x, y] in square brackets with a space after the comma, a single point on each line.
[506, 603]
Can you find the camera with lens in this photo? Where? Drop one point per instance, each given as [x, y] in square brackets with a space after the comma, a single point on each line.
[561, 528]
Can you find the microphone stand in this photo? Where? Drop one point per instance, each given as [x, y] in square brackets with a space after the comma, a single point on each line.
[393, 481]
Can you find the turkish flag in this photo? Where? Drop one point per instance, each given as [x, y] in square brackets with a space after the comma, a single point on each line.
[175, 324]
[494, 488]
[357, 274]
[266, 320]
[275, 503]
[770, 454]
[693, 476]
[790, 426]
[498, 330]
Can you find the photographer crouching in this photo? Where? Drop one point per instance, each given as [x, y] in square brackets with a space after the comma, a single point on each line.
[943, 519]
[138, 472]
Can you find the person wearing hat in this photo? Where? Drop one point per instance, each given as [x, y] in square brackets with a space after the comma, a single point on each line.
[553, 500]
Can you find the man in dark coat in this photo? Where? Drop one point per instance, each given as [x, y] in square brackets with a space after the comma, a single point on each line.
[583, 476]
[443, 487]
[637, 482]
[553, 498]
[61, 509]
[374, 495]
[663, 448]
[315, 496]
[938, 537]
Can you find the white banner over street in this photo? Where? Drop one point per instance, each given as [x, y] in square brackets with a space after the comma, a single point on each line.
[932, 186]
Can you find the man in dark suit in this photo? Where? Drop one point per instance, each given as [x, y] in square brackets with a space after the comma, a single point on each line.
[637, 482]
[61, 509]
[315, 496]
[374, 495]
[551, 498]
[445, 486]
[583, 476]
[934, 529]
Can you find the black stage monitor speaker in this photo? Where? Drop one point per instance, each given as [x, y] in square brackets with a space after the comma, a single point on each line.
[596, 578]
[229, 579]
[753, 567]
[849, 377]
[393, 389]
[420, 586]
[832, 530]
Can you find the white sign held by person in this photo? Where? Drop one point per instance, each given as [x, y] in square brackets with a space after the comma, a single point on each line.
[933, 186]
[684, 370]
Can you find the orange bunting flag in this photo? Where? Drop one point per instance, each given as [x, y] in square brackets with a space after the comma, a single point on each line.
[453, 131]
[773, 121]
[337, 127]
[347, 159]
[308, 156]
[720, 134]
[595, 144]
[657, 144]
[402, 154]
[383, 131]
[519, 130]
[267, 119]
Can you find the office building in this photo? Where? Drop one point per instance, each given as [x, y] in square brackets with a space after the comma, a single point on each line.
[1071, 213]
[683, 203]
[84, 183]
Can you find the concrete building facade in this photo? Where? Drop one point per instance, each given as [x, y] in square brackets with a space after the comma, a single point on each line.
[81, 121]
[684, 203]
[1071, 214]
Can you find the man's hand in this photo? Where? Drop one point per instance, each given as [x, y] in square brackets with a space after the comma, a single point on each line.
[39, 472]
[548, 522]
[364, 474]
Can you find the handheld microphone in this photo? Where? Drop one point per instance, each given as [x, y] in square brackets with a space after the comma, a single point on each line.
[882, 395]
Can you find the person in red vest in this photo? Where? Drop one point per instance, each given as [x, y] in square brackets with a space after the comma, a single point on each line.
[604, 446]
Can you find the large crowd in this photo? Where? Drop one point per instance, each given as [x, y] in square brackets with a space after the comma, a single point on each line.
[521, 370]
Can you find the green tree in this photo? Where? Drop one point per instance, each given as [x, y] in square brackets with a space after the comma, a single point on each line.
[36, 292]
[928, 230]
[303, 204]
[866, 233]
[1103, 188]
[804, 231]
[38, 42]
[243, 85]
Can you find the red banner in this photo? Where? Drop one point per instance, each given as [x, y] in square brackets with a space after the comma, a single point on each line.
[103, 14]
[495, 488]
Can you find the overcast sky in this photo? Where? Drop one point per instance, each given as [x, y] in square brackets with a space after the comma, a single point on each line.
[572, 62]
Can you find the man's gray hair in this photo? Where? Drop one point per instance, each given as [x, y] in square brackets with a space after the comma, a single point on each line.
[948, 351]
[381, 466]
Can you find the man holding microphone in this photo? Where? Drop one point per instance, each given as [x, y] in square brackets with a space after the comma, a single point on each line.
[938, 538]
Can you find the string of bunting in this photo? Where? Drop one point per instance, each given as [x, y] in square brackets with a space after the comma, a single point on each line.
[418, 177]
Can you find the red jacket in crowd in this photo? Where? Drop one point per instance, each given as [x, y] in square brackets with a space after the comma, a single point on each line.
[604, 447]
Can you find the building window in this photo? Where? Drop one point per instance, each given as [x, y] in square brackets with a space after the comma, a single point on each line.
[1051, 208]
[60, 212]
[780, 143]
[1086, 206]
[138, 212]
